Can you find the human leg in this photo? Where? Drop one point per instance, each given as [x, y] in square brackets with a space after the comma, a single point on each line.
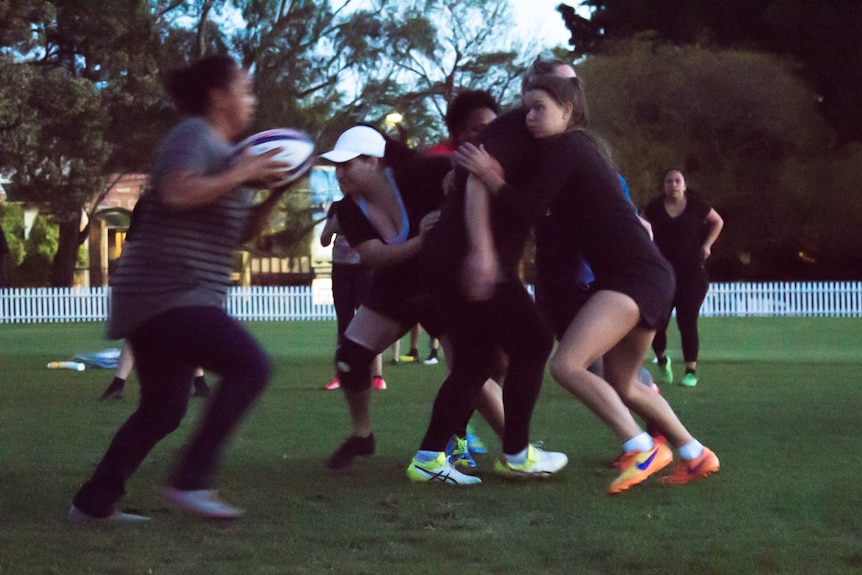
[368, 334]
[164, 379]
[602, 322]
[125, 363]
[621, 362]
[690, 297]
[221, 345]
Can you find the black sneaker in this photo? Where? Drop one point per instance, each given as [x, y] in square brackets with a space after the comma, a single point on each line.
[114, 391]
[201, 390]
[351, 448]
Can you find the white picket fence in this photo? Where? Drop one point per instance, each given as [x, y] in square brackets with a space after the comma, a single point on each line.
[274, 303]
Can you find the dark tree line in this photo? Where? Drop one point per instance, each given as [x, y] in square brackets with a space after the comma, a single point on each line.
[825, 36]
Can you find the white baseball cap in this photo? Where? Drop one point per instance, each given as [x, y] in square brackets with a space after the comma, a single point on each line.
[357, 141]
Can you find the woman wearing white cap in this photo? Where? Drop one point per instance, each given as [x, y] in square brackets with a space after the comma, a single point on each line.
[393, 196]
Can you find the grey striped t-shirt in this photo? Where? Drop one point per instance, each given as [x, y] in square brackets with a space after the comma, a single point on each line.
[178, 258]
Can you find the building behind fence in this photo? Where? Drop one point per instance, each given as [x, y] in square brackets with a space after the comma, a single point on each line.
[292, 303]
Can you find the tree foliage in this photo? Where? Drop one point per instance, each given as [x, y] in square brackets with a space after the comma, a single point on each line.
[824, 36]
[80, 94]
[745, 129]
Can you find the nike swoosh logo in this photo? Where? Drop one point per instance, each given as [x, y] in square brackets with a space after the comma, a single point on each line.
[696, 468]
[647, 461]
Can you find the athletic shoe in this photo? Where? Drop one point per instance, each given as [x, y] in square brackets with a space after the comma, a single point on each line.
[203, 502]
[352, 447]
[407, 359]
[688, 470]
[114, 391]
[638, 465]
[689, 380]
[474, 444]
[432, 361]
[623, 459]
[540, 464]
[78, 516]
[665, 372]
[334, 384]
[379, 382]
[458, 453]
[439, 471]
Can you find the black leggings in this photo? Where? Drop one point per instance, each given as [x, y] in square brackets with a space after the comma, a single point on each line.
[167, 350]
[351, 284]
[690, 292]
[478, 331]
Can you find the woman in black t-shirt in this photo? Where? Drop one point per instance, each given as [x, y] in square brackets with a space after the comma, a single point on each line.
[393, 195]
[685, 228]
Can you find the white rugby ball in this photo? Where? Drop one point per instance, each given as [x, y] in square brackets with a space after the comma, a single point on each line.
[297, 150]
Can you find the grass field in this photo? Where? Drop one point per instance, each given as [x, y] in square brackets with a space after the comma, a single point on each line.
[779, 402]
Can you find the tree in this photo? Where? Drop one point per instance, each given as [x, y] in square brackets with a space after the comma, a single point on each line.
[82, 79]
[824, 36]
[80, 97]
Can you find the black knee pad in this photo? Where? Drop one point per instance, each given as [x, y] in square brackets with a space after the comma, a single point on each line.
[353, 363]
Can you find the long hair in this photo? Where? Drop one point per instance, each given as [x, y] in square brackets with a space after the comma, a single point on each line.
[564, 91]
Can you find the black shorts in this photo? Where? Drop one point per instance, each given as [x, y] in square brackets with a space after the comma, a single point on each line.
[408, 305]
[651, 286]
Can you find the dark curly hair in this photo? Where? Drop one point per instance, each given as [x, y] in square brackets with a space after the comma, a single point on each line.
[464, 104]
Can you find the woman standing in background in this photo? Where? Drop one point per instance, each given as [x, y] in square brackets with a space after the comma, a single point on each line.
[685, 227]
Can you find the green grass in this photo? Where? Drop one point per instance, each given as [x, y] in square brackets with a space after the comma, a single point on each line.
[778, 402]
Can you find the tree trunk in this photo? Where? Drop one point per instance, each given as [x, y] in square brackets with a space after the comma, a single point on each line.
[63, 270]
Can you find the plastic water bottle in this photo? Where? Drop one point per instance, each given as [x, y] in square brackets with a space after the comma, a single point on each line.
[67, 365]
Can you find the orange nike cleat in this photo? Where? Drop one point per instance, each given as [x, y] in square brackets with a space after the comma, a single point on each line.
[688, 470]
[638, 465]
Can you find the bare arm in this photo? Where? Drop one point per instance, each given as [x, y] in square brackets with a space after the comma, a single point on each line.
[330, 228]
[185, 189]
[714, 223]
[481, 267]
[377, 254]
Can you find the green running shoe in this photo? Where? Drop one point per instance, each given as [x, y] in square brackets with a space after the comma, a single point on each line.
[689, 380]
[665, 372]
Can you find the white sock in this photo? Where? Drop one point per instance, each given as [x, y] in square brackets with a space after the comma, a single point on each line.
[640, 442]
[425, 456]
[691, 450]
[517, 459]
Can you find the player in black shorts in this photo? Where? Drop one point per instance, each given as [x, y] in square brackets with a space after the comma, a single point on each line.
[394, 195]
[499, 313]
[632, 291]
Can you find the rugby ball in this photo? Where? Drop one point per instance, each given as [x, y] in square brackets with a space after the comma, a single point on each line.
[297, 150]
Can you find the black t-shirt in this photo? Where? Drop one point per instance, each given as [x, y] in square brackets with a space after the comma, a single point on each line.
[420, 184]
[535, 170]
[680, 239]
[594, 219]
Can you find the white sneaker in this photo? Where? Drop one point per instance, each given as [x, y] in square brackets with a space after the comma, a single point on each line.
[431, 361]
[203, 502]
[439, 471]
[540, 464]
[78, 516]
